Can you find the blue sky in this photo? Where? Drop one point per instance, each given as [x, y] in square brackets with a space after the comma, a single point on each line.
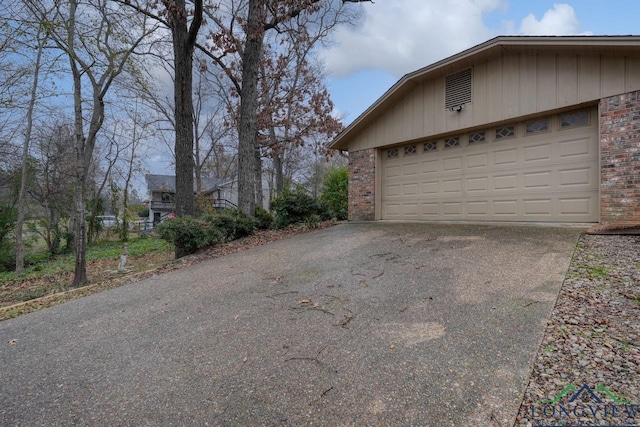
[399, 36]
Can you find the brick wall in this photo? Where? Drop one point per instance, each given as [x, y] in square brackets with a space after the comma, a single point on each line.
[362, 181]
[620, 158]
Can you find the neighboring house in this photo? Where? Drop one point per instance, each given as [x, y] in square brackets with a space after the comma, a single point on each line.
[162, 190]
[228, 190]
[543, 129]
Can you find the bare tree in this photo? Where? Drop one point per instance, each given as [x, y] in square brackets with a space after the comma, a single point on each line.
[98, 47]
[53, 184]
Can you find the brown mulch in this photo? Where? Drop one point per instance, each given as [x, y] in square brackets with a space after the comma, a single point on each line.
[101, 280]
[592, 339]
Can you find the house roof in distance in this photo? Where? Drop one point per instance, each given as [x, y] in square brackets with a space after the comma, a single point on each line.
[167, 183]
[603, 45]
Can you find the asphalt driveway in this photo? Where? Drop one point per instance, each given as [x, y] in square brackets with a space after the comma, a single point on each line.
[358, 324]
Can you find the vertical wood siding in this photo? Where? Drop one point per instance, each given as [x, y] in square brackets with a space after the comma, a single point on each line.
[504, 88]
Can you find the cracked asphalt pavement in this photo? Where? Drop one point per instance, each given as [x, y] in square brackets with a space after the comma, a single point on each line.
[357, 324]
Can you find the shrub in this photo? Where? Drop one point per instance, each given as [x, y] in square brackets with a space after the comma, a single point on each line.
[293, 207]
[335, 191]
[188, 234]
[264, 217]
[8, 217]
[232, 224]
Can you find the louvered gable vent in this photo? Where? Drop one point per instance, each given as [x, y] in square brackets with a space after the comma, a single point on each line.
[458, 89]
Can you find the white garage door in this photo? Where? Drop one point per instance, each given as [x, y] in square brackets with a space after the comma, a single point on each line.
[541, 170]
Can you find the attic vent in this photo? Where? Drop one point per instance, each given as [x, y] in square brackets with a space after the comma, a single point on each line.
[457, 89]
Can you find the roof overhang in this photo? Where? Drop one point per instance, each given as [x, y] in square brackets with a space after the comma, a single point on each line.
[592, 45]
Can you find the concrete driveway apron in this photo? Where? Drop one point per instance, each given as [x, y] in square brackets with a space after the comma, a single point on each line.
[358, 324]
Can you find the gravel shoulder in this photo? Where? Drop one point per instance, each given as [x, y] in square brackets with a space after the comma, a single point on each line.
[593, 339]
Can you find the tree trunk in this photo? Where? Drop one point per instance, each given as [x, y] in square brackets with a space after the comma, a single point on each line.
[25, 161]
[258, 176]
[183, 99]
[249, 107]
[277, 166]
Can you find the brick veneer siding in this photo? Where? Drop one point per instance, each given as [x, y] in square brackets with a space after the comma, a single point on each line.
[620, 158]
[362, 183]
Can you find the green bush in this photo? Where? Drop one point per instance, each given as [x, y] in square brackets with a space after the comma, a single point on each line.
[232, 224]
[335, 191]
[8, 217]
[189, 234]
[264, 217]
[294, 207]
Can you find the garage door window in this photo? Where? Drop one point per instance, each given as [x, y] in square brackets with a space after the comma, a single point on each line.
[452, 142]
[577, 118]
[430, 146]
[505, 132]
[477, 137]
[410, 150]
[536, 126]
[392, 153]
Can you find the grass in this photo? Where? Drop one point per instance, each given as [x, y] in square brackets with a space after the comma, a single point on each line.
[599, 272]
[48, 268]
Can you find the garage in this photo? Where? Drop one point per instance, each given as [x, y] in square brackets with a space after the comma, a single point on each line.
[544, 169]
[516, 129]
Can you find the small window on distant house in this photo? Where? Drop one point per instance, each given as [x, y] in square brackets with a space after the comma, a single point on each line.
[452, 142]
[536, 126]
[392, 153]
[457, 89]
[477, 137]
[576, 118]
[409, 150]
[431, 146]
[505, 132]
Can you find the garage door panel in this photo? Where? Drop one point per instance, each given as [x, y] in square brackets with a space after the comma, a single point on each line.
[478, 209]
[577, 206]
[430, 166]
[452, 209]
[538, 180]
[505, 157]
[410, 189]
[392, 190]
[410, 169]
[392, 171]
[431, 210]
[392, 211]
[452, 164]
[478, 185]
[538, 207]
[452, 186]
[537, 153]
[575, 148]
[430, 188]
[505, 208]
[576, 177]
[410, 210]
[478, 161]
[505, 182]
[551, 176]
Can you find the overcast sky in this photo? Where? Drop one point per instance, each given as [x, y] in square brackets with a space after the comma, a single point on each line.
[399, 36]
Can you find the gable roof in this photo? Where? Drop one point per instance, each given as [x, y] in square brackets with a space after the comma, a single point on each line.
[167, 183]
[494, 47]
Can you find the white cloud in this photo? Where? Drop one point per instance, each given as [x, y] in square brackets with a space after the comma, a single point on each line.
[402, 36]
[561, 20]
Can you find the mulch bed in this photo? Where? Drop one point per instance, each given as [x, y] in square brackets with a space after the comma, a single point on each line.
[592, 339]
